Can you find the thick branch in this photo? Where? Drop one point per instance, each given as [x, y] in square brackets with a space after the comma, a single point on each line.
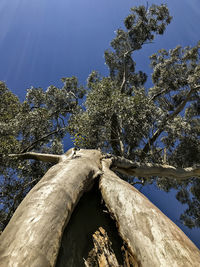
[116, 129]
[128, 167]
[38, 156]
[122, 88]
[167, 119]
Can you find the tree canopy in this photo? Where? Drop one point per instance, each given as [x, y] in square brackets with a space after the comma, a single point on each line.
[117, 114]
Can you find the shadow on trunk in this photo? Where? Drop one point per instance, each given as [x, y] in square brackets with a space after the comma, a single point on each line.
[83, 231]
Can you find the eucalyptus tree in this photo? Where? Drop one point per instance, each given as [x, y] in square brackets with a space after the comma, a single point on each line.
[119, 127]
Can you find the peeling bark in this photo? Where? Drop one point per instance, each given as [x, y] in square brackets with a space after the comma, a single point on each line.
[102, 252]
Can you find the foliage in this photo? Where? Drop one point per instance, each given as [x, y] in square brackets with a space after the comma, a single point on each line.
[37, 124]
[117, 114]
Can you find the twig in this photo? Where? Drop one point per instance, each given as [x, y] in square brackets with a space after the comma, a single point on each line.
[31, 146]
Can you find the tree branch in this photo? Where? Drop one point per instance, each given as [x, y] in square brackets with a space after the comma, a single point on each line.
[37, 156]
[116, 142]
[158, 94]
[167, 119]
[31, 146]
[128, 167]
[126, 54]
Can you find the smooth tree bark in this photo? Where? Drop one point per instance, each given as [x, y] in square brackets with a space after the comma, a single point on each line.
[33, 235]
[153, 239]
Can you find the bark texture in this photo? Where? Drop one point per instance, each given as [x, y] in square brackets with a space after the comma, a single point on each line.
[153, 239]
[32, 237]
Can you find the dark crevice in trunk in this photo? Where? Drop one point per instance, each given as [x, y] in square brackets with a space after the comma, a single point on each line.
[77, 240]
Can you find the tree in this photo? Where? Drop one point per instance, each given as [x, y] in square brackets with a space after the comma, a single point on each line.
[144, 136]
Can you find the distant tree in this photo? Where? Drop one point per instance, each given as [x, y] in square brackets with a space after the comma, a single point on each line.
[144, 135]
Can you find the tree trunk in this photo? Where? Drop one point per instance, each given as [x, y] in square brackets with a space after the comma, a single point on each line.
[153, 239]
[33, 235]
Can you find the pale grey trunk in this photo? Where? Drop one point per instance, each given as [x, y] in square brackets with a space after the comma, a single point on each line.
[32, 237]
[153, 239]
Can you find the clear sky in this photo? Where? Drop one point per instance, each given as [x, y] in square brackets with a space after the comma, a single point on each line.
[42, 41]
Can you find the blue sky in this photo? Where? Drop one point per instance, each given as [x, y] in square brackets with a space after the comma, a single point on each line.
[44, 40]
